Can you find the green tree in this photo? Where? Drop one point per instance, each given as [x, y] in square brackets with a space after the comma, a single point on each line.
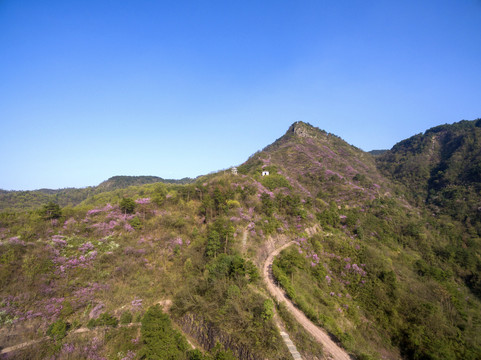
[161, 341]
[160, 193]
[267, 310]
[127, 205]
[126, 318]
[213, 244]
[267, 204]
[207, 207]
[219, 200]
[58, 330]
[51, 211]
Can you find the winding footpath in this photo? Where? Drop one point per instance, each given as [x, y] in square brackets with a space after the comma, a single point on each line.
[330, 347]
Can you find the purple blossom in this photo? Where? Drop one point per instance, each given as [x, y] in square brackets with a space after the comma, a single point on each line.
[136, 304]
[177, 241]
[16, 241]
[244, 216]
[328, 279]
[31, 315]
[85, 294]
[129, 356]
[96, 311]
[143, 201]
[358, 270]
[86, 247]
[53, 306]
[70, 221]
[68, 348]
[90, 351]
[107, 207]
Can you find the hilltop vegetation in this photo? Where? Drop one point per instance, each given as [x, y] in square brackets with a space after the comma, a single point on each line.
[442, 167]
[20, 200]
[392, 271]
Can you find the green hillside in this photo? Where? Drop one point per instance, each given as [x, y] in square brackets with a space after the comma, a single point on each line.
[442, 168]
[20, 200]
[383, 258]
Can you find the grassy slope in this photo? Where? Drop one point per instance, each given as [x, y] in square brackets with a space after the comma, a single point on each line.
[186, 244]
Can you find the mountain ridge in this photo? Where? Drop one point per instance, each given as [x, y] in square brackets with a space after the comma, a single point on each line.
[30, 199]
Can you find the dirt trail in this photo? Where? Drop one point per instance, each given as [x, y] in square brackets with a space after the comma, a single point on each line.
[330, 347]
[21, 346]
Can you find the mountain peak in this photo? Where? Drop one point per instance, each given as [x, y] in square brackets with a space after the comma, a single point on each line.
[302, 129]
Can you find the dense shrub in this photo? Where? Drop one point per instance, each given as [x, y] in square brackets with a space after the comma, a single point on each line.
[127, 205]
[161, 341]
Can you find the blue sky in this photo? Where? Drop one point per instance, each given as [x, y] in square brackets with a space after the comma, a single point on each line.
[93, 89]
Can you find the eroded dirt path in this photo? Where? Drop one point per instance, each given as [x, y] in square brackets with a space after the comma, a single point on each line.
[330, 347]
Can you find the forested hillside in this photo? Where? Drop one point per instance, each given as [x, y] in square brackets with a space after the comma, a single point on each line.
[18, 200]
[442, 168]
[384, 258]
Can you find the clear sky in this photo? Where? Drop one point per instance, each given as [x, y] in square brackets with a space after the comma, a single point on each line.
[90, 89]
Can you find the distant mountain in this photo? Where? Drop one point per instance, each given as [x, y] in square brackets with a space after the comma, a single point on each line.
[377, 152]
[120, 182]
[441, 168]
[73, 196]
